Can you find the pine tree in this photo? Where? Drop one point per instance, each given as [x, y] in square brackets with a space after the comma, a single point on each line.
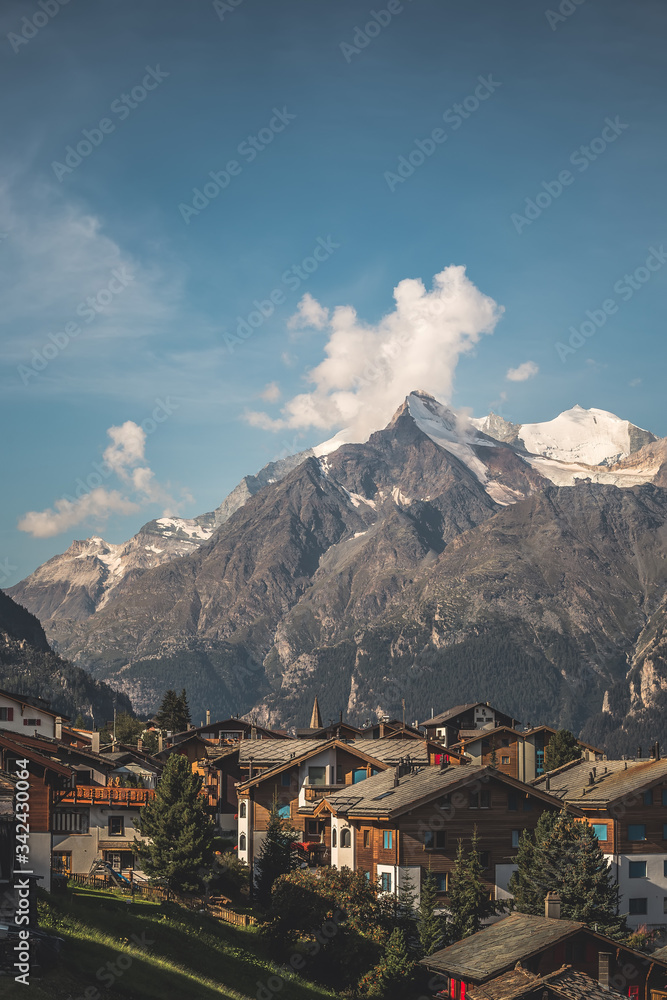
[469, 900]
[275, 854]
[561, 749]
[430, 925]
[180, 831]
[173, 714]
[564, 856]
[397, 968]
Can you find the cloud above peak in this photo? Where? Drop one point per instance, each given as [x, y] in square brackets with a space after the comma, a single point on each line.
[94, 503]
[369, 368]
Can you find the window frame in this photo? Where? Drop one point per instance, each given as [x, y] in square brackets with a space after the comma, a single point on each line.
[116, 820]
[387, 840]
[634, 867]
[636, 826]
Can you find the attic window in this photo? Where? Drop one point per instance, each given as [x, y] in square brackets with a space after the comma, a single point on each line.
[32, 722]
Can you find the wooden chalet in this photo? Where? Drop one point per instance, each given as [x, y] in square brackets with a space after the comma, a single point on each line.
[476, 715]
[409, 820]
[537, 957]
[625, 801]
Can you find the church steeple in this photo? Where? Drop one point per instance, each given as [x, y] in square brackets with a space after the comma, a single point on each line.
[316, 718]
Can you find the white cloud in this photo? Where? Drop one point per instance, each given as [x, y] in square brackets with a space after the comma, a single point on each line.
[369, 368]
[271, 392]
[97, 506]
[524, 371]
[122, 458]
[635, 382]
[309, 315]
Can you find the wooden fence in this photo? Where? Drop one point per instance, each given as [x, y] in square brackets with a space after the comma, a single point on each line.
[155, 893]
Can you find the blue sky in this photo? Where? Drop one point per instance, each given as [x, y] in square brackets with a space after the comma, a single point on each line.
[168, 286]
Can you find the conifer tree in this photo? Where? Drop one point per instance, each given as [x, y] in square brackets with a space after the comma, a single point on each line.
[469, 900]
[564, 856]
[275, 854]
[561, 749]
[180, 830]
[173, 714]
[397, 968]
[430, 925]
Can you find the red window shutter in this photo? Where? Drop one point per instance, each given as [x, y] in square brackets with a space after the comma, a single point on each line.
[10, 715]
[633, 991]
[38, 722]
[463, 991]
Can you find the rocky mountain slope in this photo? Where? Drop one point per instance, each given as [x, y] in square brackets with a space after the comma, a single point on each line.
[28, 666]
[440, 561]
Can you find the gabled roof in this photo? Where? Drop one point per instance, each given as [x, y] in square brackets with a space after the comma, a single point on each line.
[590, 785]
[515, 939]
[498, 948]
[25, 750]
[33, 702]
[312, 751]
[451, 713]
[232, 725]
[385, 796]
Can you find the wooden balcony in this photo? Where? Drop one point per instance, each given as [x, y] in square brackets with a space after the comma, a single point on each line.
[98, 795]
[315, 792]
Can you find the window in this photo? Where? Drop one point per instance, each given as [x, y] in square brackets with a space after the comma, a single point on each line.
[512, 802]
[504, 742]
[113, 860]
[484, 859]
[664, 831]
[664, 904]
[600, 830]
[648, 797]
[367, 838]
[334, 837]
[484, 800]
[441, 882]
[504, 760]
[243, 810]
[664, 796]
[70, 822]
[285, 779]
[32, 722]
[527, 804]
[339, 774]
[83, 777]
[284, 812]
[359, 775]
[664, 868]
[515, 837]
[345, 837]
[312, 828]
[636, 831]
[385, 881]
[387, 839]
[317, 775]
[638, 906]
[435, 840]
[61, 862]
[637, 869]
[116, 826]
[242, 842]
[6, 714]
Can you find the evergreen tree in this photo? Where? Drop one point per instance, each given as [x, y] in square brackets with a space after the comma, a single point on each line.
[180, 830]
[493, 759]
[561, 749]
[275, 854]
[127, 728]
[469, 900]
[79, 722]
[173, 714]
[397, 968]
[430, 925]
[564, 856]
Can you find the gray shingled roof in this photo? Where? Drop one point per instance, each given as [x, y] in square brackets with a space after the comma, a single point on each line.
[498, 948]
[612, 779]
[379, 795]
[276, 751]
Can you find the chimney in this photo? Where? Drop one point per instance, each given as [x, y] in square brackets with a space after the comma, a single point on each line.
[140, 743]
[253, 733]
[639, 752]
[547, 783]
[160, 743]
[552, 906]
[397, 774]
[604, 969]
[208, 717]
[95, 742]
[59, 728]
